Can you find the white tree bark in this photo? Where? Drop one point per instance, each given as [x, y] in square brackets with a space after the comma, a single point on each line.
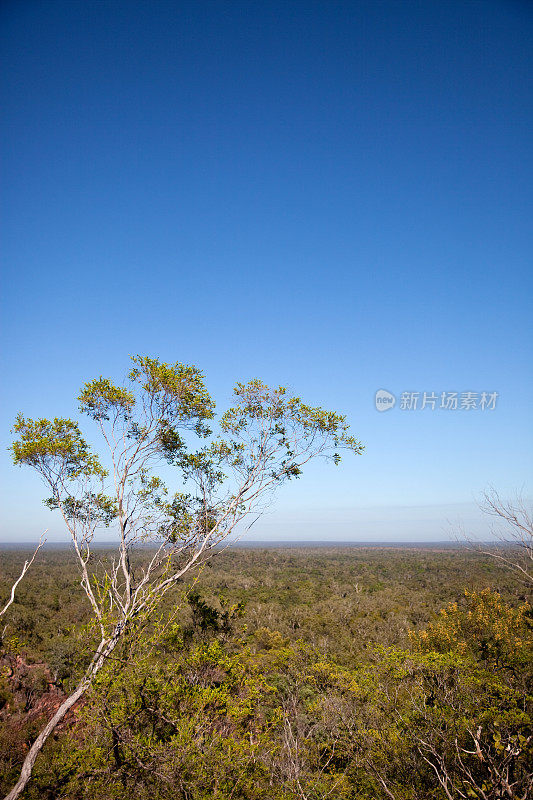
[25, 568]
[104, 650]
[268, 439]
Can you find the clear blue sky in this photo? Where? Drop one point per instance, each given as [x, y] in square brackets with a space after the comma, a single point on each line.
[336, 196]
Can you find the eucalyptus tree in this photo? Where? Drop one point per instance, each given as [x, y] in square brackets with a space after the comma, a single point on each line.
[221, 478]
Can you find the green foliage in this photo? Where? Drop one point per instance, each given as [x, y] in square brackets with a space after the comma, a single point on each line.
[183, 723]
[208, 618]
[270, 422]
[483, 628]
[89, 507]
[55, 448]
[475, 723]
[289, 673]
[177, 390]
[100, 399]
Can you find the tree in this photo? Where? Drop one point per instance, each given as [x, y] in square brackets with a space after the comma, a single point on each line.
[512, 534]
[159, 419]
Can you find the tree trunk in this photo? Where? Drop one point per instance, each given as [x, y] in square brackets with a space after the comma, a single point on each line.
[105, 648]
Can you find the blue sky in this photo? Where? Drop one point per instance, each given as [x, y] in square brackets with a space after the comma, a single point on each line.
[335, 196]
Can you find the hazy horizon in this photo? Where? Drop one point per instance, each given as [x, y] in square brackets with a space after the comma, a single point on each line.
[424, 524]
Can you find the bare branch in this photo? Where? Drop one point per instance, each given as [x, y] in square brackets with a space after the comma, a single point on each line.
[25, 568]
[512, 534]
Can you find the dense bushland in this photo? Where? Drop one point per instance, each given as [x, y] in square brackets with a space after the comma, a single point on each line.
[282, 673]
